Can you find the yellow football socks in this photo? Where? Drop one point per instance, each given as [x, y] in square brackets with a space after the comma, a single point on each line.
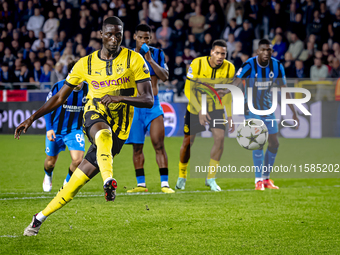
[183, 169]
[212, 169]
[66, 193]
[104, 155]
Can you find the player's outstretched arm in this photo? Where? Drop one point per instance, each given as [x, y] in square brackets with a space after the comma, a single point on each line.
[145, 100]
[52, 104]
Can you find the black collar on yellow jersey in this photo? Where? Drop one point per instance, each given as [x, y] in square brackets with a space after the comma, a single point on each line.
[114, 56]
[216, 66]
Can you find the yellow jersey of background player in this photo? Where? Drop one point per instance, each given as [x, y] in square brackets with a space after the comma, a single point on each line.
[209, 70]
[116, 77]
[201, 71]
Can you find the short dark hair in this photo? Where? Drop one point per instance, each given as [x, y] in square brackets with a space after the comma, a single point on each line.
[143, 27]
[264, 42]
[219, 42]
[113, 21]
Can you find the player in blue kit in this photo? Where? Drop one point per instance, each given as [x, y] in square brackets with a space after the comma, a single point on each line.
[64, 128]
[261, 73]
[149, 119]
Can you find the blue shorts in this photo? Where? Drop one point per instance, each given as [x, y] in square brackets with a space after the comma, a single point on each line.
[267, 120]
[141, 122]
[74, 141]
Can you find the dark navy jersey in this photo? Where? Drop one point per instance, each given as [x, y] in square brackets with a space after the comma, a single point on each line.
[261, 80]
[69, 116]
[158, 56]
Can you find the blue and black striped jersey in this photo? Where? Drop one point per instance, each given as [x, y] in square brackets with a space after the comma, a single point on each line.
[261, 80]
[69, 116]
[158, 56]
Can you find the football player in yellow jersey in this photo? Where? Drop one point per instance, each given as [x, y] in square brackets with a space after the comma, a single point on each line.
[114, 75]
[214, 70]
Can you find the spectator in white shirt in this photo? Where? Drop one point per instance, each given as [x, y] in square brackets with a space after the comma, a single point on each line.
[156, 13]
[319, 72]
[36, 22]
[51, 25]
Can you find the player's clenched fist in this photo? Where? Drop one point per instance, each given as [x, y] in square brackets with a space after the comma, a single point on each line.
[22, 127]
[106, 100]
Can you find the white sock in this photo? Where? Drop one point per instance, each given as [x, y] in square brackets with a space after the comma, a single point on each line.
[258, 179]
[141, 185]
[107, 179]
[164, 184]
[40, 217]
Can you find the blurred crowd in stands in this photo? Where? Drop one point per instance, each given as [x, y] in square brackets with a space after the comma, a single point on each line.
[38, 38]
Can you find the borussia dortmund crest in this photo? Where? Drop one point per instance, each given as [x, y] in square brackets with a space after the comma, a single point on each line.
[119, 69]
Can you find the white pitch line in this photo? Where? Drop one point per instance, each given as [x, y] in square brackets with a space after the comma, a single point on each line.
[89, 194]
[122, 194]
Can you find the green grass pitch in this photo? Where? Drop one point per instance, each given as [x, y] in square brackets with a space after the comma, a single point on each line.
[301, 218]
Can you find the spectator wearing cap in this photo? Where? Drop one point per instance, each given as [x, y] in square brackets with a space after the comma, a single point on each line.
[36, 22]
[51, 26]
[296, 46]
[335, 71]
[196, 23]
[155, 13]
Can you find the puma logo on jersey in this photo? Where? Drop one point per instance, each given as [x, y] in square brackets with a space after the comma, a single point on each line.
[100, 73]
[106, 155]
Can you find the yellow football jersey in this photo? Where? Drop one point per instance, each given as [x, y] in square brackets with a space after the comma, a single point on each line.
[115, 77]
[201, 71]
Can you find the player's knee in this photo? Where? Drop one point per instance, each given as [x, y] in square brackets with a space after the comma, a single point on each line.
[137, 149]
[159, 148]
[274, 143]
[50, 164]
[76, 162]
[103, 135]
